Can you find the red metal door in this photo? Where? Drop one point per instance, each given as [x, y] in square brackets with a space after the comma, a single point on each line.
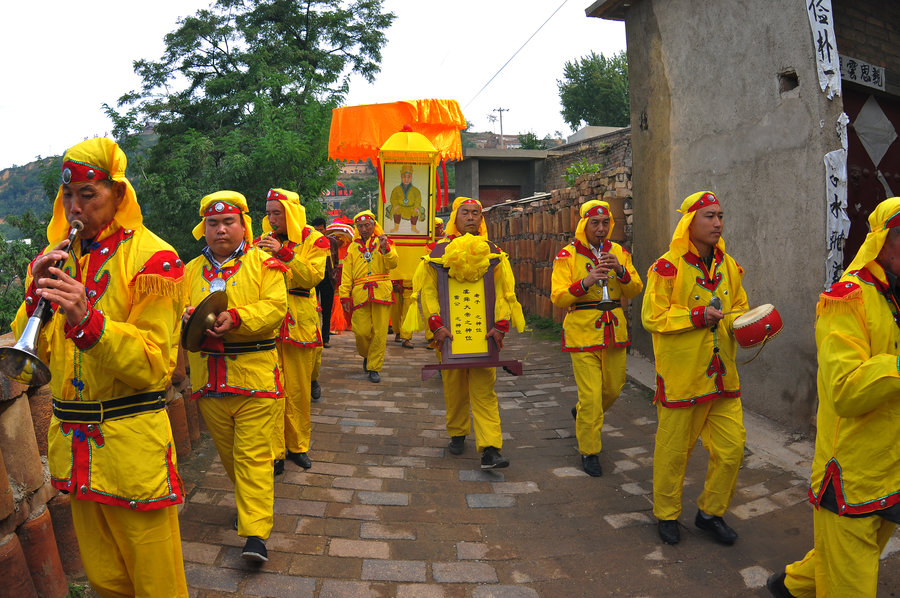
[865, 189]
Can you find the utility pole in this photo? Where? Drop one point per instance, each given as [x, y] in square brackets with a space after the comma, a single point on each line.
[501, 111]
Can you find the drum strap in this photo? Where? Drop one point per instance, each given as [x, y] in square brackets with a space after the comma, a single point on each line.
[761, 345]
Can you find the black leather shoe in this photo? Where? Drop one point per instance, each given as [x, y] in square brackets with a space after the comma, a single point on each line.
[279, 466]
[776, 587]
[717, 527]
[575, 412]
[668, 531]
[492, 459]
[591, 465]
[301, 459]
[315, 391]
[374, 376]
[366, 364]
[255, 550]
[234, 524]
[457, 445]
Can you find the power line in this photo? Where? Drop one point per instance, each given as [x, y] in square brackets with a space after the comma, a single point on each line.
[515, 54]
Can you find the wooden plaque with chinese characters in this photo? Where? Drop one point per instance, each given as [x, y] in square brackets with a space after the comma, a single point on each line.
[467, 310]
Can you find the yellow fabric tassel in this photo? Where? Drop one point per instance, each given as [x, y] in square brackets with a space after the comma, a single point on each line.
[412, 322]
[154, 284]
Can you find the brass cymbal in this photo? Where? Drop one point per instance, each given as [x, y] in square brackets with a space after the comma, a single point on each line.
[202, 319]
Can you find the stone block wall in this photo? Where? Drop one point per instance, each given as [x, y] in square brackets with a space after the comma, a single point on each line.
[863, 30]
[609, 151]
[532, 232]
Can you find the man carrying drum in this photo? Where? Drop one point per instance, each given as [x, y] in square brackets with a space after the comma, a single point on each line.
[594, 335]
[855, 482]
[693, 295]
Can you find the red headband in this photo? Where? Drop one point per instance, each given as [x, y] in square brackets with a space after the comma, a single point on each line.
[707, 199]
[220, 207]
[597, 210]
[362, 217]
[275, 196]
[79, 172]
[893, 221]
[474, 201]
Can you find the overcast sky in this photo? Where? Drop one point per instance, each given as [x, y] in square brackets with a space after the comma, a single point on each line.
[62, 61]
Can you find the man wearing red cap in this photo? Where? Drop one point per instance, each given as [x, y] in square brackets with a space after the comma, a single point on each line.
[304, 251]
[855, 483]
[467, 254]
[694, 293]
[235, 375]
[111, 344]
[366, 290]
[594, 334]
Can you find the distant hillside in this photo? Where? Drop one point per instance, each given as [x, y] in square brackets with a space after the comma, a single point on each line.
[21, 190]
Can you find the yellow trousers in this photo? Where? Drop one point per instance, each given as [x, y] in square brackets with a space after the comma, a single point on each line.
[600, 376]
[472, 389]
[292, 423]
[720, 425]
[398, 312]
[242, 429]
[844, 562]
[317, 367]
[130, 553]
[370, 324]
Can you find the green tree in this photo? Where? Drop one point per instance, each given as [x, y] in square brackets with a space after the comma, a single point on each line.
[594, 91]
[241, 99]
[531, 141]
[364, 197]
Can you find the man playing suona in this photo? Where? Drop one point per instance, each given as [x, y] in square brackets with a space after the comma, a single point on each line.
[235, 374]
[366, 290]
[111, 346]
[595, 338]
[304, 251]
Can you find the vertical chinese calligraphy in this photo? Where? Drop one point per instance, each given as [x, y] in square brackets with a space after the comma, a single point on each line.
[822, 27]
[837, 223]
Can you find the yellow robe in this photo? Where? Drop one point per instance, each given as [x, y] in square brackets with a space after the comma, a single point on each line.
[679, 289]
[596, 339]
[126, 346]
[858, 420]
[256, 292]
[368, 282]
[592, 330]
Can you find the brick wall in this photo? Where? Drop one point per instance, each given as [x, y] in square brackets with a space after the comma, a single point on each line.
[533, 232]
[864, 30]
[609, 151]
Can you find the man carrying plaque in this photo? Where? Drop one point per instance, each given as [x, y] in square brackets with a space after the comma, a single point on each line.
[855, 483]
[304, 251]
[366, 290]
[690, 289]
[595, 333]
[235, 376]
[467, 255]
[111, 349]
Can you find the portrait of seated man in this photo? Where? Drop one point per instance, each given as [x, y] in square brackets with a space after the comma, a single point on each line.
[405, 203]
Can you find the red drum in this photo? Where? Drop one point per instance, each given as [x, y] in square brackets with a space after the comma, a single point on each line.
[757, 325]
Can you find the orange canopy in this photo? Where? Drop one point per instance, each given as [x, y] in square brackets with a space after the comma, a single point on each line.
[358, 132]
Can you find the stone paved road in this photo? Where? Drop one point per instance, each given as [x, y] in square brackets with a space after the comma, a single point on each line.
[385, 511]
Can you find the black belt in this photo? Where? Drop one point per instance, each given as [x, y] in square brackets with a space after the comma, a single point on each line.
[590, 305]
[95, 412]
[299, 292]
[244, 347]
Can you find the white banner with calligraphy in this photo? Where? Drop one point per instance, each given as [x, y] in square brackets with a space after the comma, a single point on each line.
[860, 71]
[827, 63]
[837, 225]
